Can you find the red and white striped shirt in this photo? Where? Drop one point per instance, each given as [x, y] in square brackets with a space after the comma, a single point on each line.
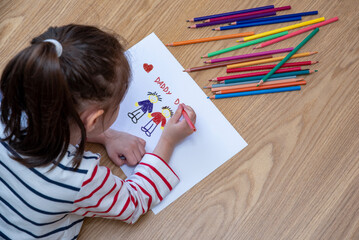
[51, 204]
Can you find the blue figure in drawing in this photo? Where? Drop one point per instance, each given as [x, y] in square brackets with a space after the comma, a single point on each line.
[158, 118]
[145, 106]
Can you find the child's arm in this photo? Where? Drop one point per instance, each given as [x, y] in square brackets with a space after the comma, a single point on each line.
[105, 195]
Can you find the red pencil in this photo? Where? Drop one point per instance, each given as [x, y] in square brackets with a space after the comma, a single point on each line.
[262, 67]
[255, 74]
[190, 123]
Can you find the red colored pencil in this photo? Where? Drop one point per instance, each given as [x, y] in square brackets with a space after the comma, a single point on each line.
[255, 74]
[262, 67]
[190, 123]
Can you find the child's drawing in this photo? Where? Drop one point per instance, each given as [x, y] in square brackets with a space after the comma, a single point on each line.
[145, 106]
[157, 118]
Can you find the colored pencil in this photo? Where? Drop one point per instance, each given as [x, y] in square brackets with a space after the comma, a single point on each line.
[244, 89]
[229, 13]
[244, 25]
[199, 25]
[296, 73]
[221, 85]
[244, 75]
[257, 92]
[250, 63]
[200, 40]
[302, 14]
[270, 42]
[248, 14]
[282, 50]
[245, 44]
[298, 25]
[224, 64]
[254, 84]
[282, 29]
[289, 55]
[262, 67]
[188, 120]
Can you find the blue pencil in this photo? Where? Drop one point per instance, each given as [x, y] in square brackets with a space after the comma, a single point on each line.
[237, 80]
[270, 18]
[230, 13]
[259, 23]
[256, 92]
[251, 81]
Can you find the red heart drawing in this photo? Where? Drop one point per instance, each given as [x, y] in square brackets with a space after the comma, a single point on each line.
[147, 67]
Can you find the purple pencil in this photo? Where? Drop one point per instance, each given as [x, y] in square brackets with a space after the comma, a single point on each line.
[282, 50]
[232, 20]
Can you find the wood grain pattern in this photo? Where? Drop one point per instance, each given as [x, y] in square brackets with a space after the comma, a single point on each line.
[299, 176]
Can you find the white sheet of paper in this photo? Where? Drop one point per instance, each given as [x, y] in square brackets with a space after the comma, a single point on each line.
[215, 140]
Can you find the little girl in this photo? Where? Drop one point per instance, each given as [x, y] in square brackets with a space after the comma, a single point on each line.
[61, 91]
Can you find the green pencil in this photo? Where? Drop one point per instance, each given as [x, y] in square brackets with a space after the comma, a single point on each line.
[288, 56]
[242, 45]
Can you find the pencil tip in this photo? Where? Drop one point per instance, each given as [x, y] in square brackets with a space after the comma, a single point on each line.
[315, 70]
[187, 20]
[213, 29]
[207, 97]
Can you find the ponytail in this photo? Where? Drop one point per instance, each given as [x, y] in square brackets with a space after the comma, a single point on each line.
[37, 107]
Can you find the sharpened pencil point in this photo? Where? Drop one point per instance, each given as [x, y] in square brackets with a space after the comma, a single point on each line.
[315, 70]
[213, 29]
[187, 20]
[207, 97]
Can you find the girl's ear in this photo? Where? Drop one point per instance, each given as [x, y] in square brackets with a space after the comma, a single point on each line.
[90, 118]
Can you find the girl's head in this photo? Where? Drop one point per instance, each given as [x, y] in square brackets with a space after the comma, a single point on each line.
[47, 98]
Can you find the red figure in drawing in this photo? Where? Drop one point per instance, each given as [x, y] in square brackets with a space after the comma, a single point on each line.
[157, 119]
[145, 106]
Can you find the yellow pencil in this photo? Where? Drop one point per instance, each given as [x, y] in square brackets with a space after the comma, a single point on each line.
[305, 54]
[298, 25]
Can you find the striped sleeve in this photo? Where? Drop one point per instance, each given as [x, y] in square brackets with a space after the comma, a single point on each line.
[103, 194]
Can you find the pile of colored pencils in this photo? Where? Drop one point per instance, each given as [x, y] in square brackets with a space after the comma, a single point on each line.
[280, 77]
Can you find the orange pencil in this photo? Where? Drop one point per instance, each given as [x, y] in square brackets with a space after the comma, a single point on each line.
[279, 85]
[236, 35]
[190, 123]
[289, 80]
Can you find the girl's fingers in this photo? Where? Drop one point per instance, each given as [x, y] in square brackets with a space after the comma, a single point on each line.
[178, 113]
[190, 112]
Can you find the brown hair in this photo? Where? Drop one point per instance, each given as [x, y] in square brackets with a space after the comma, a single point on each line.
[42, 92]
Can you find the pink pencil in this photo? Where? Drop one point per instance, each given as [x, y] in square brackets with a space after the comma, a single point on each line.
[263, 67]
[270, 42]
[248, 14]
[188, 120]
[282, 50]
[252, 74]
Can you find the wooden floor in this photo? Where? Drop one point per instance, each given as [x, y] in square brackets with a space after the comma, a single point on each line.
[299, 176]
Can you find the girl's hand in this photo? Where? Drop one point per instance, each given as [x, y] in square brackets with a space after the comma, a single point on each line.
[174, 132]
[121, 144]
